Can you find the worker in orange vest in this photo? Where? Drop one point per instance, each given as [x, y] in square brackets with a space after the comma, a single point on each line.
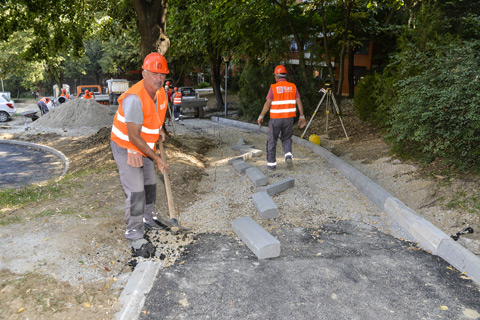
[177, 103]
[137, 126]
[88, 95]
[42, 105]
[282, 100]
[65, 94]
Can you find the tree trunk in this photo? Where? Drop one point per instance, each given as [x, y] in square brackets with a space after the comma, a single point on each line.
[328, 60]
[216, 64]
[348, 8]
[351, 82]
[151, 23]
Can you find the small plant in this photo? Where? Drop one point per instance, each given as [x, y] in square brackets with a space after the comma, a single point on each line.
[203, 84]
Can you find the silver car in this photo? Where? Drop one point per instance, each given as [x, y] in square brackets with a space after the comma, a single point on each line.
[7, 108]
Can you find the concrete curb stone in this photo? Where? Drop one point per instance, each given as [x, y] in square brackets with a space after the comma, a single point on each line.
[278, 187]
[240, 166]
[256, 176]
[262, 243]
[133, 295]
[267, 209]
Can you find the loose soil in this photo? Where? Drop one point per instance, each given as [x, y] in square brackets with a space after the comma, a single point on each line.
[66, 257]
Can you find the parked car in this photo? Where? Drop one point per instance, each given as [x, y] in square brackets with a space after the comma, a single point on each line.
[192, 102]
[7, 108]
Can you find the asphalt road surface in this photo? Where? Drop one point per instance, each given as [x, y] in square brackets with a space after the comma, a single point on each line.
[344, 270]
[22, 165]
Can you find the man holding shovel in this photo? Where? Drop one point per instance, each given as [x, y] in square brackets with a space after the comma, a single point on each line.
[137, 126]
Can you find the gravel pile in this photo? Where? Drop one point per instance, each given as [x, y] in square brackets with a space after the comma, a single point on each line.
[76, 114]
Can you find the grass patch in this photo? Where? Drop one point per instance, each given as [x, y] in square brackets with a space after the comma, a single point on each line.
[463, 201]
[45, 213]
[25, 195]
[8, 220]
[29, 194]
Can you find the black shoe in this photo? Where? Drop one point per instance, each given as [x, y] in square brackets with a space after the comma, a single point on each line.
[272, 167]
[142, 248]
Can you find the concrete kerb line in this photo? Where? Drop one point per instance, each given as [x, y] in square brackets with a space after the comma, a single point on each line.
[59, 154]
[420, 229]
[139, 284]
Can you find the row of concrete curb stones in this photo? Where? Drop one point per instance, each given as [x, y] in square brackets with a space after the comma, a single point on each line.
[63, 157]
[264, 245]
[424, 232]
[259, 241]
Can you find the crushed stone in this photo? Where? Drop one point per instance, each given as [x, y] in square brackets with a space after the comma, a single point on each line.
[75, 114]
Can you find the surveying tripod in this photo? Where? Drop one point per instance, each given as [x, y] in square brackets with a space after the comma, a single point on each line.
[330, 98]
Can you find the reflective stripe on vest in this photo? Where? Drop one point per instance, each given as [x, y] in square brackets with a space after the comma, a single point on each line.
[283, 104]
[152, 120]
[177, 98]
[44, 100]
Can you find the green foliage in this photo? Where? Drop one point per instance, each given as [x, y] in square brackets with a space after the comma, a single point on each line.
[365, 103]
[254, 83]
[374, 98]
[437, 110]
[203, 85]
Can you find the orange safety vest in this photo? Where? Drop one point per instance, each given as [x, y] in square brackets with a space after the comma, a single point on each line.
[177, 98]
[44, 100]
[284, 103]
[65, 95]
[88, 95]
[152, 120]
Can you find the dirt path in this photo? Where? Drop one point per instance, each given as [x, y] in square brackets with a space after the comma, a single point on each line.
[65, 257]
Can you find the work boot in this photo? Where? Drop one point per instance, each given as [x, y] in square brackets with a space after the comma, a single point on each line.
[289, 161]
[142, 248]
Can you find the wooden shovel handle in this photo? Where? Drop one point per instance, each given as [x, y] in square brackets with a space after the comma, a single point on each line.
[168, 188]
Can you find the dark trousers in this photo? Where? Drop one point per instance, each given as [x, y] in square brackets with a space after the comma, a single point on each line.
[282, 128]
[176, 111]
[43, 107]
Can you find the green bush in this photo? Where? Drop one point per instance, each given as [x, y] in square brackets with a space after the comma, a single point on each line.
[254, 83]
[437, 112]
[374, 97]
[365, 102]
[203, 84]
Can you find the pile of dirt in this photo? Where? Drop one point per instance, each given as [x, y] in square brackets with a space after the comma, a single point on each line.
[76, 114]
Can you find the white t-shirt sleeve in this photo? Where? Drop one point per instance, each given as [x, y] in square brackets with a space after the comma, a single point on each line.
[132, 109]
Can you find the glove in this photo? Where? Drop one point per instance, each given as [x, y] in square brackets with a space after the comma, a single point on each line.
[134, 159]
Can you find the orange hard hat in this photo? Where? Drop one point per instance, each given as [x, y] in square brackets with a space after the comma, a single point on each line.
[64, 90]
[86, 91]
[176, 89]
[280, 69]
[155, 62]
[168, 83]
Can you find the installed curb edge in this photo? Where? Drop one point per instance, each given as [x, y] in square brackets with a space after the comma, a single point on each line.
[424, 232]
[139, 284]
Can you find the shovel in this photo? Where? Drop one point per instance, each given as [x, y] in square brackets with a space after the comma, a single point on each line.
[175, 226]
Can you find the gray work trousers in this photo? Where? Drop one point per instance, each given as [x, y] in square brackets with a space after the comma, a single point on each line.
[140, 188]
[276, 128]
